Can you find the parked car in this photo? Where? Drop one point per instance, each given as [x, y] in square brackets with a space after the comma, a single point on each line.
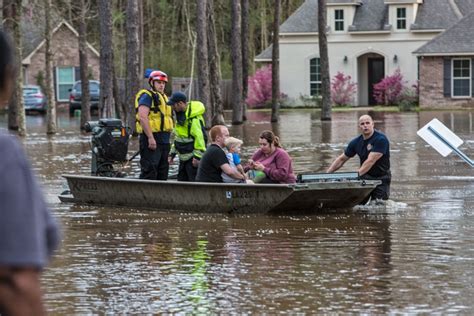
[34, 99]
[76, 93]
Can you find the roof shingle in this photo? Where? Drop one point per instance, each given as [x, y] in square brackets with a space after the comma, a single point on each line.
[372, 15]
[459, 39]
[435, 15]
[304, 19]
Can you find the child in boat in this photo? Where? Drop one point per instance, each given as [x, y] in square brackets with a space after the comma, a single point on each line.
[232, 146]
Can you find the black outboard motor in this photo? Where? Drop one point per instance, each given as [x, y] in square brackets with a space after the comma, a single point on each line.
[109, 145]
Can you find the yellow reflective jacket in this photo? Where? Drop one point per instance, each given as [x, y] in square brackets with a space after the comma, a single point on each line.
[160, 116]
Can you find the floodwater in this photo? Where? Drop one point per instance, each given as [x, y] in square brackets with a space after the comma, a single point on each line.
[414, 256]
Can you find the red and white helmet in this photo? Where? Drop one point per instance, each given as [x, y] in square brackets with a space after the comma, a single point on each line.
[157, 75]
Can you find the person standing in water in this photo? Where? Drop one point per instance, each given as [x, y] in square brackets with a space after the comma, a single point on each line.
[373, 149]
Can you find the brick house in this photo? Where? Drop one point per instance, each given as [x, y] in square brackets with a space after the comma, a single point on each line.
[368, 40]
[446, 67]
[65, 47]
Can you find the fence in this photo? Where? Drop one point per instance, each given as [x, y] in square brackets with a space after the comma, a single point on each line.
[183, 84]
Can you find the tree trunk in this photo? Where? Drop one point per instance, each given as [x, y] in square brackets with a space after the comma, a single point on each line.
[51, 126]
[286, 9]
[324, 62]
[237, 115]
[276, 63]
[106, 101]
[18, 106]
[141, 35]
[132, 82]
[83, 60]
[245, 55]
[263, 25]
[217, 110]
[8, 24]
[202, 58]
[121, 109]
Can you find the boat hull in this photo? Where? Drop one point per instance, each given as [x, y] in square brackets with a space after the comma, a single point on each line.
[216, 197]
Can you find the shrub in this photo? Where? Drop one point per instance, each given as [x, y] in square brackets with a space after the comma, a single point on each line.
[260, 88]
[40, 79]
[389, 89]
[409, 98]
[342, 89]
[310, 101]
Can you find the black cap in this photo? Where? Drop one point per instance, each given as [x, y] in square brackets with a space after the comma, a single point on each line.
[176, 97]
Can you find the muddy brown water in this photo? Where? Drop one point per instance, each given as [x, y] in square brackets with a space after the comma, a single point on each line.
[414, 256]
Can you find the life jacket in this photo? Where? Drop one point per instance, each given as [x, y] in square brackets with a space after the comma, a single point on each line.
[161, 114]
[188, 141]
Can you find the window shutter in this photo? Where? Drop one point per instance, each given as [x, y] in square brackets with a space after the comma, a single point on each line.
[77, 73]
[472, 77]
[55, 80]
[447, 77]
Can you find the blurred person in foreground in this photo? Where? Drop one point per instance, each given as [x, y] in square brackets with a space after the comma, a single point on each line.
[28, 233]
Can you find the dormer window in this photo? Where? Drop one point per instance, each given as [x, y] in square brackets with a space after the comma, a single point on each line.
[339, 20]
[401, 18]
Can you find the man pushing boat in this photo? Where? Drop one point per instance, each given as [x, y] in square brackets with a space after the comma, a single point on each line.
[373, 149]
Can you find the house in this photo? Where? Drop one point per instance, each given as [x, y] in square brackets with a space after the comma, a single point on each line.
[446, 67]
[65, 47]
[367, 39]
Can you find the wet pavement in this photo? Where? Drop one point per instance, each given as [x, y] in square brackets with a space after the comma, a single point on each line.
[413, 256]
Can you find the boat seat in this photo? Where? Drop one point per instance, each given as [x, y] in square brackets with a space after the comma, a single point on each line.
[327, 177]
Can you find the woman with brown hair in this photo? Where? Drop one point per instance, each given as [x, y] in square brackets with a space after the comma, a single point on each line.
[272, 160]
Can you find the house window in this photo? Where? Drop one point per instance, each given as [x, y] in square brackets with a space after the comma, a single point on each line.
[65, 79]
[314, 77]
[401, 18]
[461, 78]
[339, 20]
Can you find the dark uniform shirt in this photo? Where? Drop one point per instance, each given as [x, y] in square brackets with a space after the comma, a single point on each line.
[377, 143]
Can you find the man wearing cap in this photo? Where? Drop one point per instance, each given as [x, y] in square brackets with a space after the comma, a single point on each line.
[154, 123]
[190, 135]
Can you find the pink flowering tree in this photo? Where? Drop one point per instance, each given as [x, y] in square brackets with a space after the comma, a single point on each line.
[342, 89]
[260, 87]
[389, 90]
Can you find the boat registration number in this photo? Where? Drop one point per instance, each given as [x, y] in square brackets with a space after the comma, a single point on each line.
[241, 194]
[85, 186]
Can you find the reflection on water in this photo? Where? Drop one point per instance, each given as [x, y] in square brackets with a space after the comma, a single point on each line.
[412, 257]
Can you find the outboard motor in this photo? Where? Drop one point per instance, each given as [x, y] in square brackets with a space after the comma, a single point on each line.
[109, 145]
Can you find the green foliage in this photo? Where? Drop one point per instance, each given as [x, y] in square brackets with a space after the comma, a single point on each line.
[168, 27]
[314, 101]
[409, 99]
[90, 74]
[40, 79]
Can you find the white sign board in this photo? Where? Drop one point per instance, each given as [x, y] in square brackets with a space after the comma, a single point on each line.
[435, 139]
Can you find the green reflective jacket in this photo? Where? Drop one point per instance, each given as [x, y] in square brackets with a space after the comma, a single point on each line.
[189, 137]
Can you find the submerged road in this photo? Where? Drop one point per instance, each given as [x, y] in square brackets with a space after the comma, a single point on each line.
[414, 256]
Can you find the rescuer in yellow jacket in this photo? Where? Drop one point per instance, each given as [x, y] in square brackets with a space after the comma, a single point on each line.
[154, 123]
[190, 135]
